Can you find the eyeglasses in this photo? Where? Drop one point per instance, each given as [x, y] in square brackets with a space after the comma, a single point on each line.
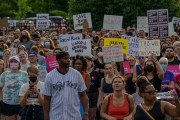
[151, 92]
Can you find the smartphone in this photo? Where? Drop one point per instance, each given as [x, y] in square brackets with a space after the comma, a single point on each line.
[31, 86]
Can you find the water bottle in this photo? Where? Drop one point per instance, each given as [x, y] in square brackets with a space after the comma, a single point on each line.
[164, 95]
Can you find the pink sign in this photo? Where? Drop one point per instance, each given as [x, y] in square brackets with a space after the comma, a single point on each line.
[127, 68]
[173, 68]
[51, 63]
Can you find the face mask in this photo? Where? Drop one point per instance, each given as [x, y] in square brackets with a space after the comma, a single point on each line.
[149, 68]
[47, 44]
[163, 67]
[33, 79]
[8, 44]
[14, 65]
[100, 54]
[24, 36]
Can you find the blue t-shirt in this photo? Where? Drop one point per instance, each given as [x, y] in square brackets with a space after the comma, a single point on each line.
[168, 77]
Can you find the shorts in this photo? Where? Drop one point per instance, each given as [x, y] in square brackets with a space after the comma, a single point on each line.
[93, 98]
[32, 112]
[10, 110]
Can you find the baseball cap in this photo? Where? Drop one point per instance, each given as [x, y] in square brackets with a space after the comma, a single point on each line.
[14, 58]
[32, 53]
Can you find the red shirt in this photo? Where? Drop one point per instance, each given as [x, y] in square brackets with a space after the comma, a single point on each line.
[118, 112]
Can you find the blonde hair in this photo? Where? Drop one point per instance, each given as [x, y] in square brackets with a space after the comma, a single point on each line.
[33, 69]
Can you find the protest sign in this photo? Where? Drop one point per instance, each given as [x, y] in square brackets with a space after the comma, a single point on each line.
[147, 47]
[42, 24]
[171, 28]
[12, 23]
[4, 22]
[79, 20]
[134, 46]
[158, 23]
[64, 39]
[126, 67]
[176, 24]
[112, 22]
[42, 21]
[112, 53]
[142, 23]
[79, 47]
[117, 41]
[51, 63]
[43, 16]
[173, 68]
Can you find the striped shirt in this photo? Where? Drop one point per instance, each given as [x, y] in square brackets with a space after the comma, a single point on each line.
[64, 89]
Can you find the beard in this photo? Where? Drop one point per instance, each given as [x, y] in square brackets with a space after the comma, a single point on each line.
[169, 56]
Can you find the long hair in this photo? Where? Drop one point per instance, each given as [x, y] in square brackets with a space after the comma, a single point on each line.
[154, 71]
[28, 36]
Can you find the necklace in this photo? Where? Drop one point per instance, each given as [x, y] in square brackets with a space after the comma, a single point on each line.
[148, 107]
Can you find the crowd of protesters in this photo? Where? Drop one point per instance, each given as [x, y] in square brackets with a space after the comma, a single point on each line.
[29, 92]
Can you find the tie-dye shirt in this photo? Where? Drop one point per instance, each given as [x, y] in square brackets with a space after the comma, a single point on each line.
[11, 84]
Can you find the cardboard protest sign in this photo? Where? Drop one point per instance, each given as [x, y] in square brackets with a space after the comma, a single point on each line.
[51, 63]
[112, 22]
[12, 23]
[4, 22]
[79, 47]
[79, 20]
[142, 23]
[147, 47]
[112, 53]
[134, 46]
[158, 23]
[117, 41]
[43, 16]
[64, 39]
[126, 67]
[173, 68]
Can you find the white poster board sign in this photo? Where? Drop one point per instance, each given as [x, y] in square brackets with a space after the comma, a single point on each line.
[112, 53]
[142, 23]
[112, 22]
[80, 47]
[79, 19]
[146, 47]
[64, 39]
[42, 24]
[43, 16]
[12, 23]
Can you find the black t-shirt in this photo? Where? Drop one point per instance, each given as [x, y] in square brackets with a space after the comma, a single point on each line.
[95, 82]
[174, 62]
[156, 82]
[130, 86]
[99, 65]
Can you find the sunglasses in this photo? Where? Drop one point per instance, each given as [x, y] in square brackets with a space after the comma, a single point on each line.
[151, 92]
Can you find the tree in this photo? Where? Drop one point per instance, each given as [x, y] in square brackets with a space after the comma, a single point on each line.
[129, 9]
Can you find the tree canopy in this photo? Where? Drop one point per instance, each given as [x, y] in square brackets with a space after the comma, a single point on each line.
[129, 9]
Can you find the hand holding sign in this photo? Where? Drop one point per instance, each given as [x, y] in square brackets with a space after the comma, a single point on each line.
[152, 57]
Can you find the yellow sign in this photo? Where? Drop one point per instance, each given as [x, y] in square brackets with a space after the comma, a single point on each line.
[116, 41]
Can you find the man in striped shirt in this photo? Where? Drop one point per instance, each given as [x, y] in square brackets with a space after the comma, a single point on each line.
[64, 89]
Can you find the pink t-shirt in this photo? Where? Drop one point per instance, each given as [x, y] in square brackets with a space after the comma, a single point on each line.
[178, 78]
